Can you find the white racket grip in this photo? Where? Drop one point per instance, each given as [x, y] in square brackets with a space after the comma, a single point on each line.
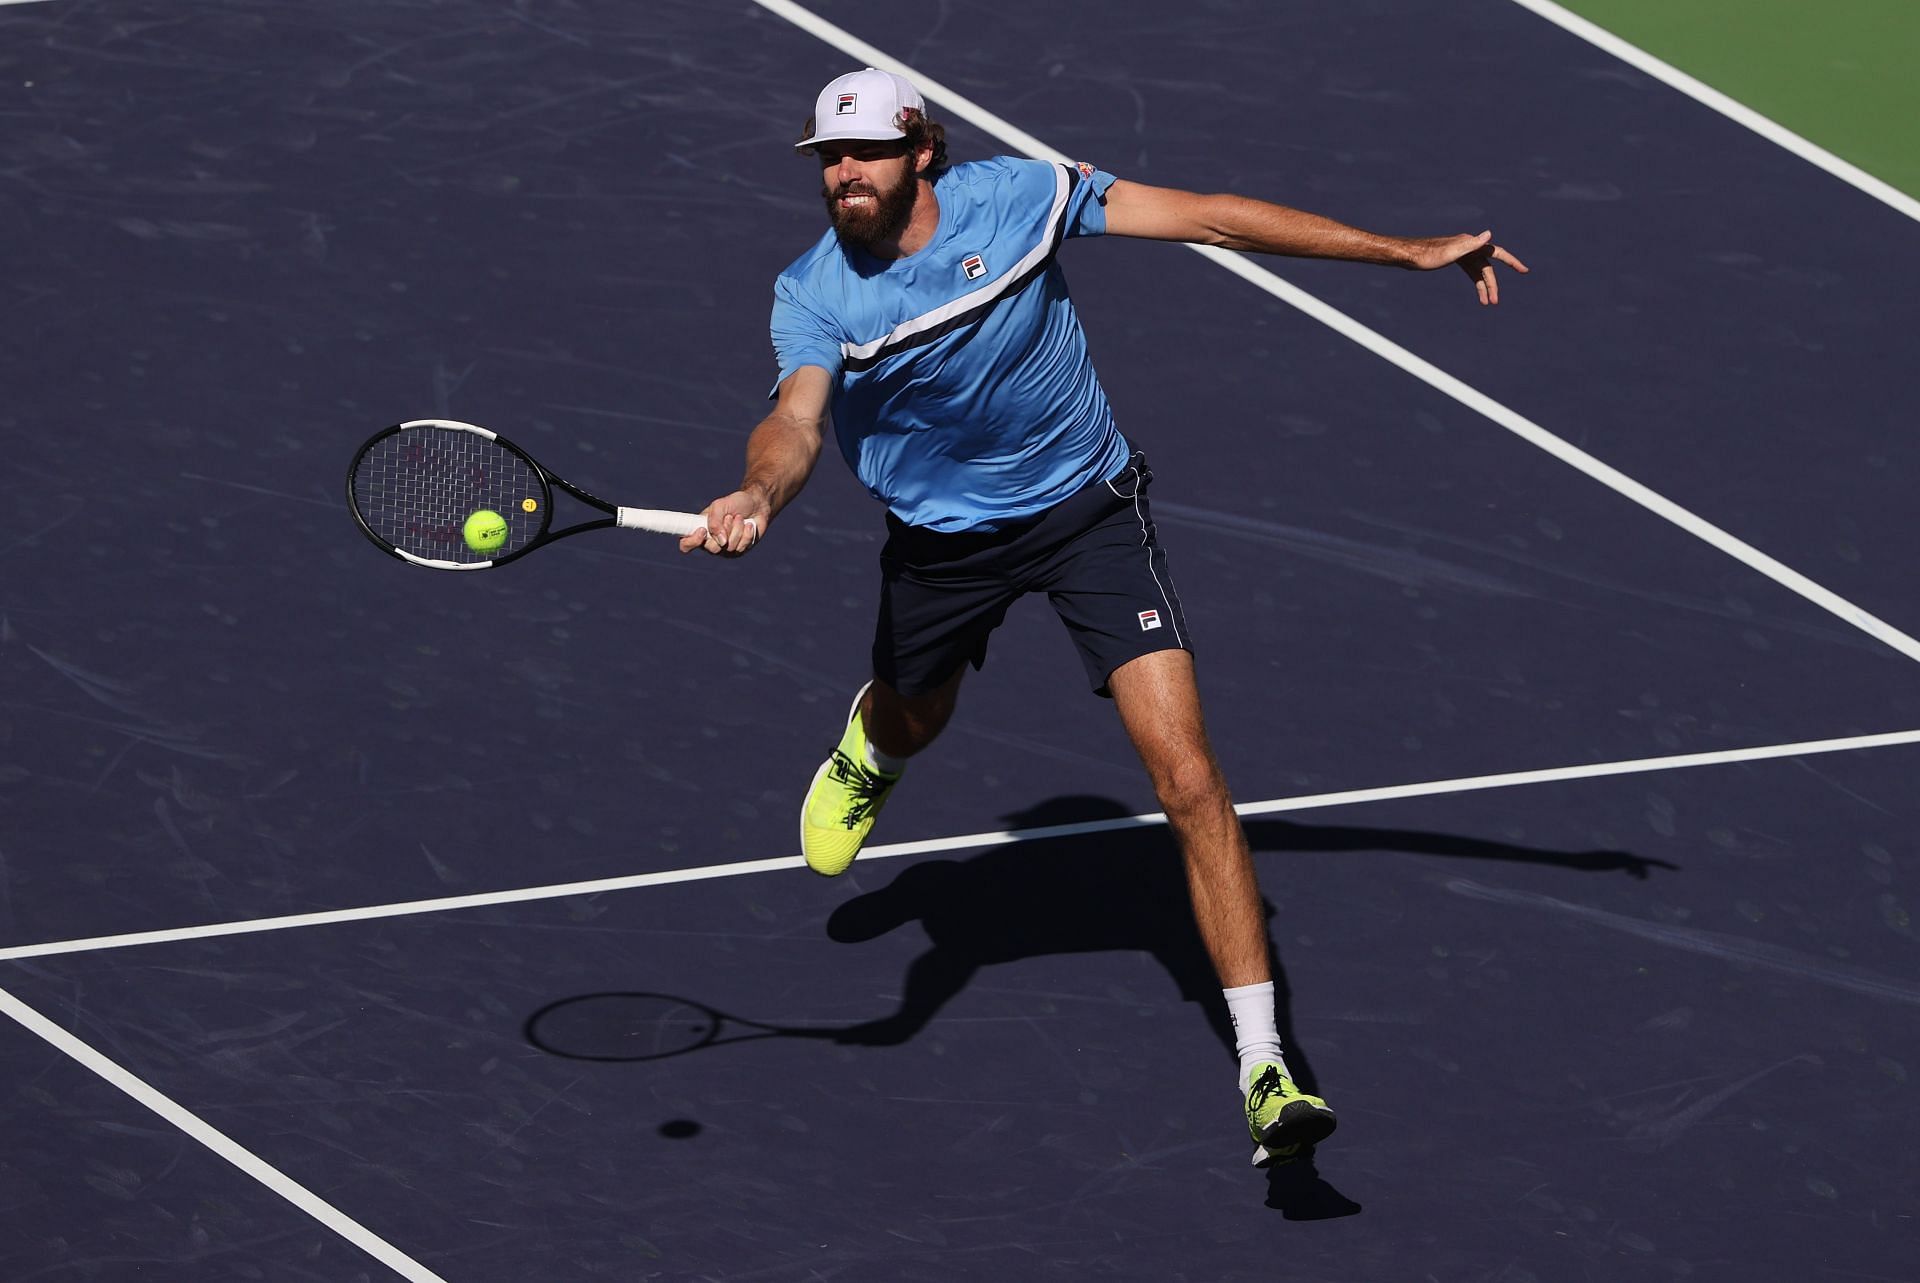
[659, 520]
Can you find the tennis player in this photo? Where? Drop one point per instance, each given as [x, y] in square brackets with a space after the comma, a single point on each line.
[933, 323]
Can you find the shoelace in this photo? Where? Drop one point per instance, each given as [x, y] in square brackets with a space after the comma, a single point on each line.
[1267, 1085]
[866, 786]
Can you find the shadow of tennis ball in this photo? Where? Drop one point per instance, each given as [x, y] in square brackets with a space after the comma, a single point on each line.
[679, 1129]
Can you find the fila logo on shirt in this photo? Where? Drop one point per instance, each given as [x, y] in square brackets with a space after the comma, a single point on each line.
[846, 104]
[974, 266]
[1149, 620]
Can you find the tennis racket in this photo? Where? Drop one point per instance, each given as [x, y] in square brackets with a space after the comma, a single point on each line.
[413, 486]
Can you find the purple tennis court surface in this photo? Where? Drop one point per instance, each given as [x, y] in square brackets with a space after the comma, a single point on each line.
[1652, 1026]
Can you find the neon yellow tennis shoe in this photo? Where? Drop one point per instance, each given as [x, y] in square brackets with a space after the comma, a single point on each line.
[1285, 1121]
[843, 801]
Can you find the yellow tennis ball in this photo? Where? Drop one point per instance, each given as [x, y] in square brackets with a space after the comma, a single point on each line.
[485, 530]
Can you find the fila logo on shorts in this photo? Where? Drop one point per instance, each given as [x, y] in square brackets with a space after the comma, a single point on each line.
[974, 266]
[846, 105]
[1149, 619]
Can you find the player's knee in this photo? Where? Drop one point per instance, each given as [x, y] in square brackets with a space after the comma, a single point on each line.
[1189, 784]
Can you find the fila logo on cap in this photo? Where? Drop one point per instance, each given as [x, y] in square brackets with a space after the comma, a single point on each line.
[1149, 619]
[846, 104]
[974, 266]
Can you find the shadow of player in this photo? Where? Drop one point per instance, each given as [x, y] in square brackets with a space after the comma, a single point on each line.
[1124, 889]
[1117, 890]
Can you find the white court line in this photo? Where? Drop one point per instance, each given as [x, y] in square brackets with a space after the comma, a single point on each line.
[1386, 349]
[1350, 797]
[1733, 110]
[217, 1141]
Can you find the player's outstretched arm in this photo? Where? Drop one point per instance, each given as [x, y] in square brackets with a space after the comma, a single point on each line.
[1240, 222]
[780, 457]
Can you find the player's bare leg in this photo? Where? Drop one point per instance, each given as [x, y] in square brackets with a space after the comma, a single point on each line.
[1159, 703]
[901, 725]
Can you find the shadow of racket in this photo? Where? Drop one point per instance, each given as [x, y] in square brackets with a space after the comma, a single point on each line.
[639, 1026]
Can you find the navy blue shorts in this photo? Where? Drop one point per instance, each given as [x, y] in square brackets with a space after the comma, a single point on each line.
[1094, 554]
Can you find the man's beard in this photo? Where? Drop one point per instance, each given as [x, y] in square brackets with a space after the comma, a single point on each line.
[870, 225]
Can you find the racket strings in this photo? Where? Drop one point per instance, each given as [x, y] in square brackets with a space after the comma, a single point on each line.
[416, 489]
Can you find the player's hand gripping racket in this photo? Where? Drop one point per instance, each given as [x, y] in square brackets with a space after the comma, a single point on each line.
[453, 496]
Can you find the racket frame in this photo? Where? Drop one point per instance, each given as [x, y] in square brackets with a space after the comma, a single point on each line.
[656, 520]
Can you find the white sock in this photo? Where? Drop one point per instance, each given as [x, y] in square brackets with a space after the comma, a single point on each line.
[1256, 1036]
[885, 763]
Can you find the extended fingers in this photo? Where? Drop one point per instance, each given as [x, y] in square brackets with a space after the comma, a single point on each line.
[1509, 260]
[1477, 262]
[1479, 266]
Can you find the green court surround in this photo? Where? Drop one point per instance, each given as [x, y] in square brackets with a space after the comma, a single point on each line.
[1840, 73]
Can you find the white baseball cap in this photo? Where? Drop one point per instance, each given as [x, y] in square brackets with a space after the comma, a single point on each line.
[868, 104]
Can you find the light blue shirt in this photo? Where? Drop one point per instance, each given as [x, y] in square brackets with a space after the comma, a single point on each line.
[963, 395]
